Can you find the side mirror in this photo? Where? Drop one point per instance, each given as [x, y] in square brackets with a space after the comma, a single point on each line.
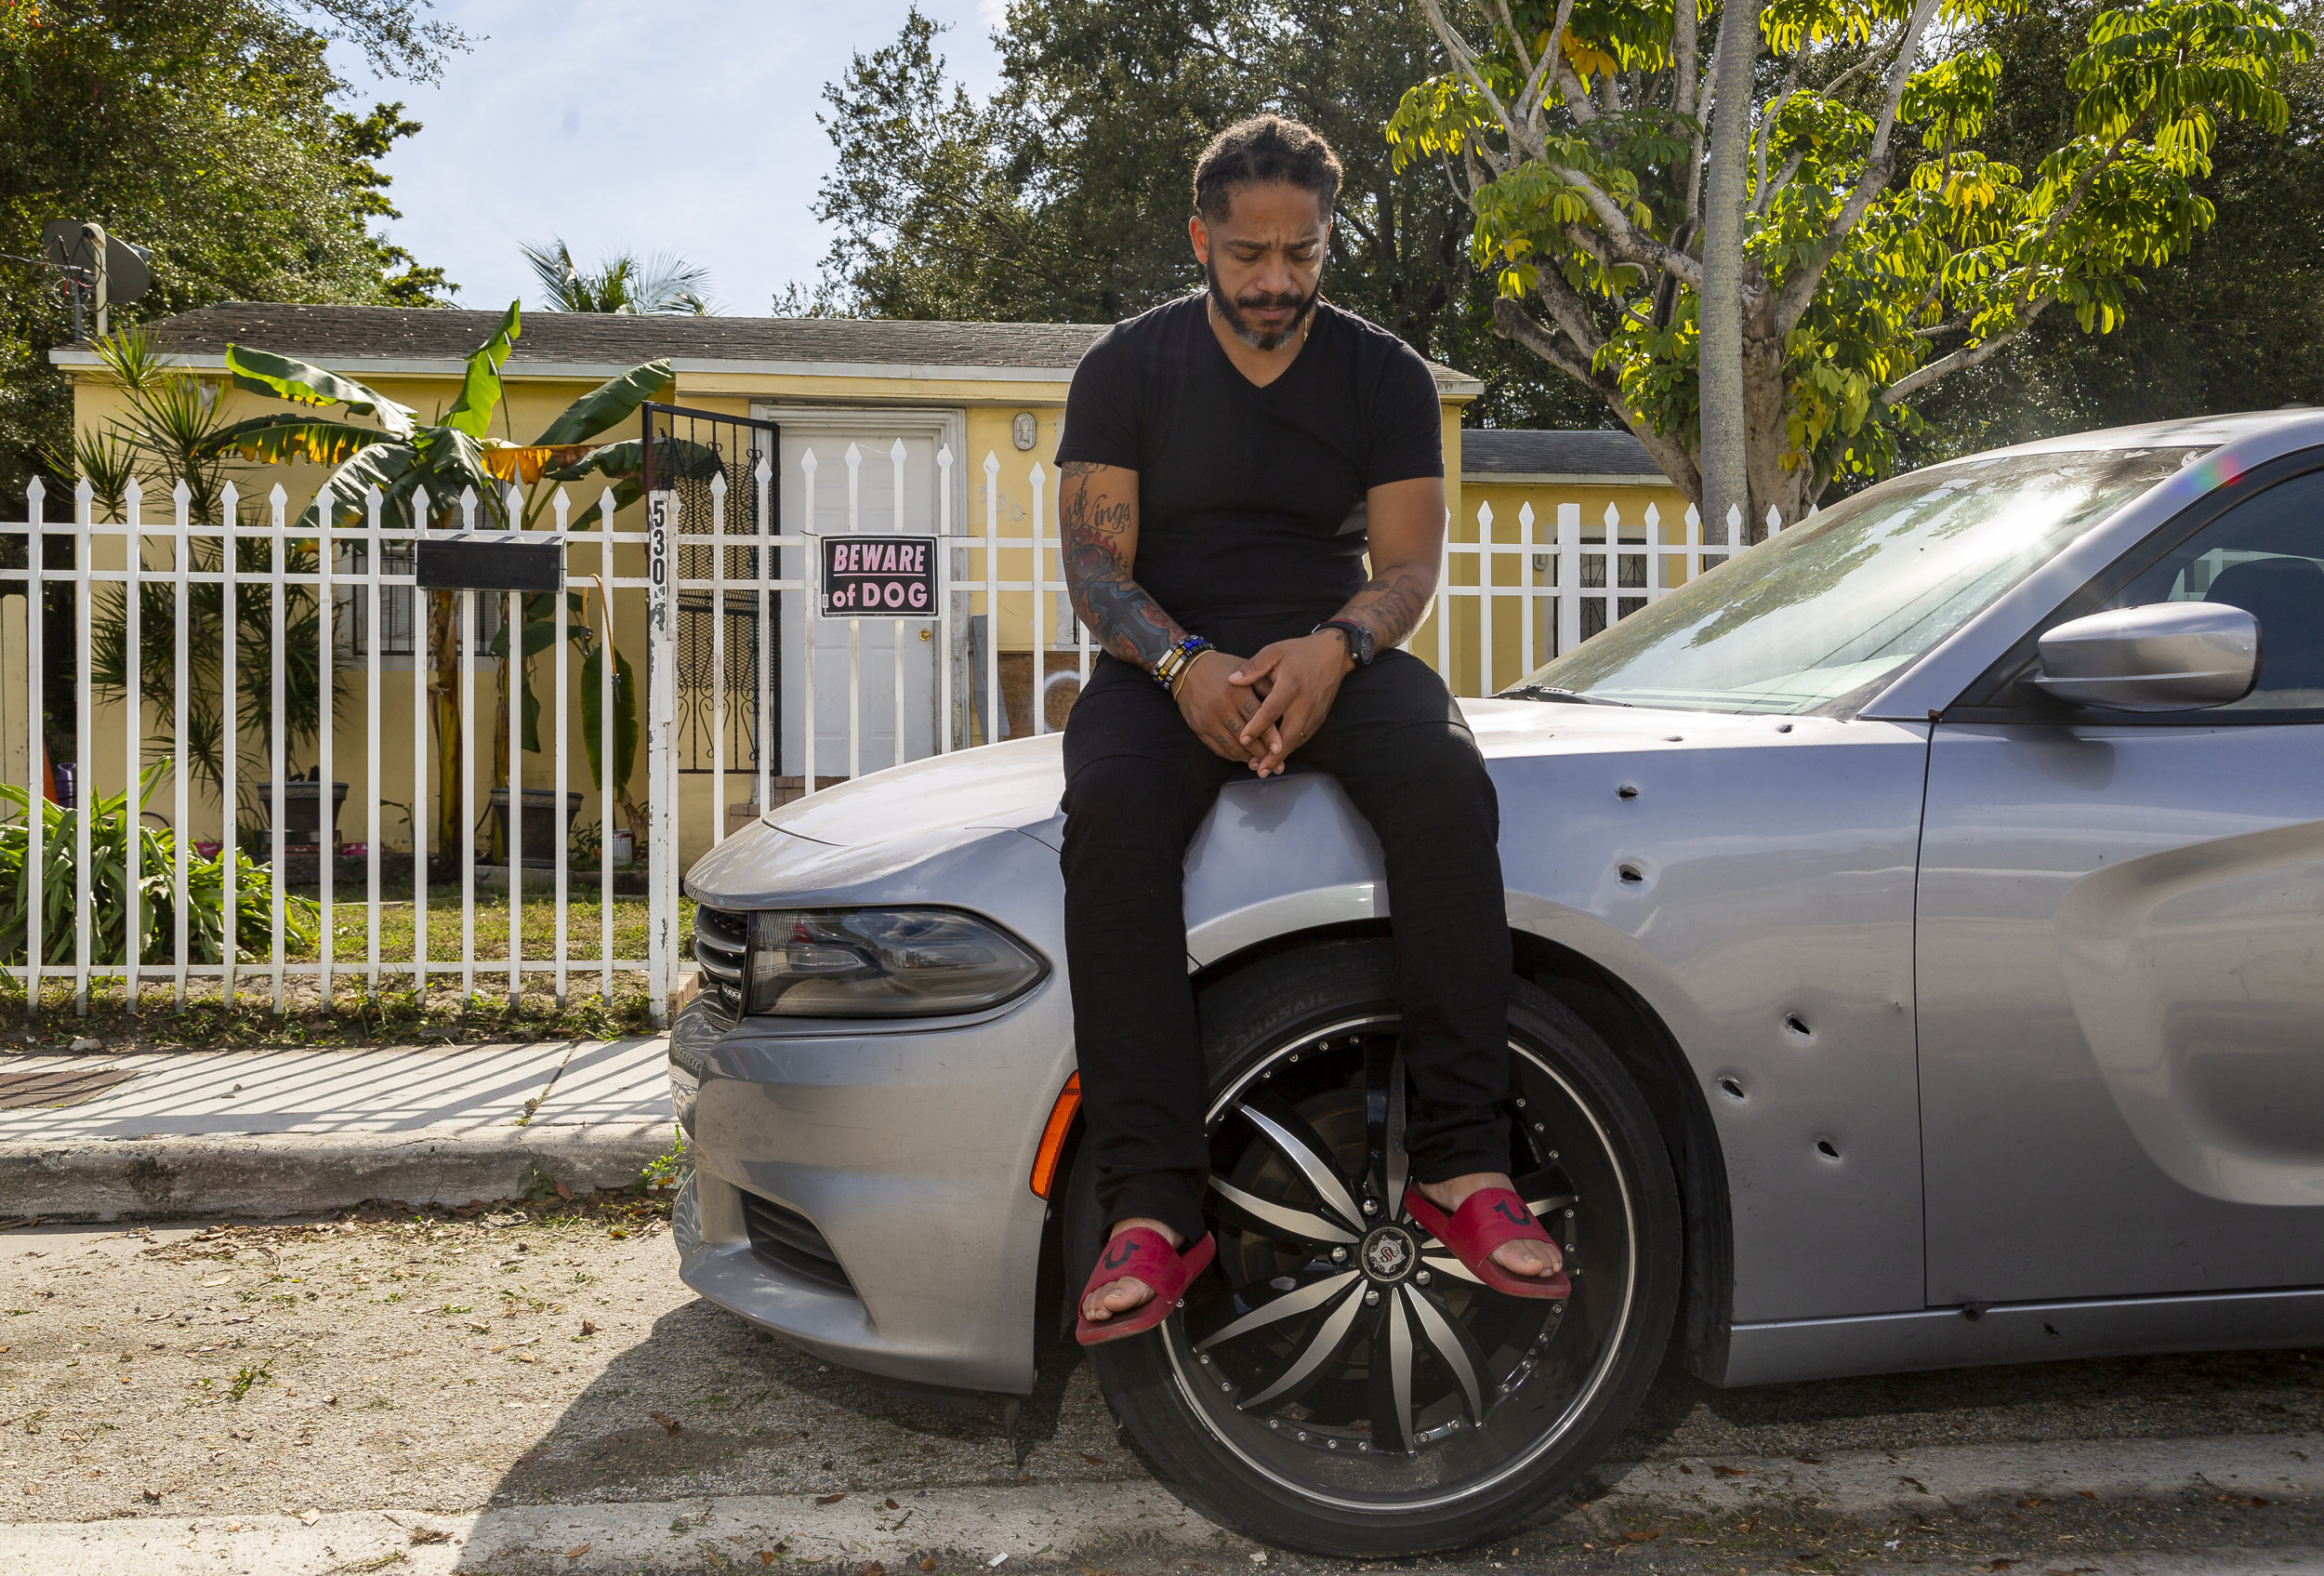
[2165, 656]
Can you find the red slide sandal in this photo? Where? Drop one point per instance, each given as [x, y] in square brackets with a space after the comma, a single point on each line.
[1144, 1254]
[1484, 1220]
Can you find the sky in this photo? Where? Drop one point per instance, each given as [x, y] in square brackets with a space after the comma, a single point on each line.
[686, 126]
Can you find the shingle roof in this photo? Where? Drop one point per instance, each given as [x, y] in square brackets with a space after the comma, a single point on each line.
[406, 335]
[436, 333]
[1484, 451]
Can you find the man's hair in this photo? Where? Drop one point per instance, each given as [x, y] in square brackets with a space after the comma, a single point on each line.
[1265, 148]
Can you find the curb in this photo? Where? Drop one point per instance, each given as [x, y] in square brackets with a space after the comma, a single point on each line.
[166, 1177]
[994, 1524]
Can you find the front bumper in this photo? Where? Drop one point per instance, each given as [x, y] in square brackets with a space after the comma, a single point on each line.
[900, 1153]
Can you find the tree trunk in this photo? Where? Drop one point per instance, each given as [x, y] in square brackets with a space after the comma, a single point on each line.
[443, 697]
[1767, 401]
[1722, 394]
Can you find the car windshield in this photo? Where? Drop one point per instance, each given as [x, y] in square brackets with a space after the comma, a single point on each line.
[1841, 602]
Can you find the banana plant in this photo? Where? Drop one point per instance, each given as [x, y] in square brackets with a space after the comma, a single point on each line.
[379, 443]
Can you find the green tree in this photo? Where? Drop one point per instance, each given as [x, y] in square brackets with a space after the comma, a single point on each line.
[1886, 245]
[425, 471]
[1065, 197]
[203, 129]
[621, 283]
[2234, 321]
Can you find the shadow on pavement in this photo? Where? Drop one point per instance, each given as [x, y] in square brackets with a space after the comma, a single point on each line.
[709, 1405]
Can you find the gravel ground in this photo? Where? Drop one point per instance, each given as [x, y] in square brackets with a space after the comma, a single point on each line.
[444, 1365]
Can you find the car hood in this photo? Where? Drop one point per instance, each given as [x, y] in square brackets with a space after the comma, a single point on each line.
[1016, 785]
[1000, 786]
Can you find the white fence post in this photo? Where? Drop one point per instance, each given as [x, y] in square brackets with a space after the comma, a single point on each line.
[660, 716]
[37, 753]
[945, 620]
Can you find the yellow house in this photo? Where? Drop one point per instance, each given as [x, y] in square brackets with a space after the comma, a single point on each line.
[922, 406]
[1522, 487]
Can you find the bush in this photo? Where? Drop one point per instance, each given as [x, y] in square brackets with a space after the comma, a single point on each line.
[109, 826]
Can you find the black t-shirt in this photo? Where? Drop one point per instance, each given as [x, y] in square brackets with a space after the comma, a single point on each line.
[1250, 521]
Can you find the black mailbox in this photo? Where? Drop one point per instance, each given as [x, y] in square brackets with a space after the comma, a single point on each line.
[476, 561]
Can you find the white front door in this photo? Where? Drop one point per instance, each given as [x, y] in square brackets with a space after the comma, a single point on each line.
[874, 679]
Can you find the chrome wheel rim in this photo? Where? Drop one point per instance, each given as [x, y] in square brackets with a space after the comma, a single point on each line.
[1338, 1348]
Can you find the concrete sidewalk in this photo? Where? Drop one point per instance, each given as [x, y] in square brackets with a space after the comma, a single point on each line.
[273, 1133]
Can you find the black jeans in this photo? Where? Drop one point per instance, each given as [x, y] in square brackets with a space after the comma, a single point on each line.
[1138, 783]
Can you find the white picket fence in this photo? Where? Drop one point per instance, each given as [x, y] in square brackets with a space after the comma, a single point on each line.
[1546, 572]
[360, 587]
[362, 574]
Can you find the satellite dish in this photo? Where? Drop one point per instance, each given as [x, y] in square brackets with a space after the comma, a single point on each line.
[127, 275]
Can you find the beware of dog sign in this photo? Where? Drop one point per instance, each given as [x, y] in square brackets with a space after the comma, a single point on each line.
[878, 577]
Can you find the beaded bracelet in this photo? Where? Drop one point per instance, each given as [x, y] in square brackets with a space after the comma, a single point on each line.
[1171, 666]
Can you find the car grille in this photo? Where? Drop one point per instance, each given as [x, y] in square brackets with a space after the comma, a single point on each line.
[722, 949]
[789, 1242]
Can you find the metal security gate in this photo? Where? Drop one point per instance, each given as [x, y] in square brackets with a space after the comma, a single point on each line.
[728, 642]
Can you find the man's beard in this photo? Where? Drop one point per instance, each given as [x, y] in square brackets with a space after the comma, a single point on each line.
[1257, 338]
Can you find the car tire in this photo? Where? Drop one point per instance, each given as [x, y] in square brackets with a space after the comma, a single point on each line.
[1351, 1461]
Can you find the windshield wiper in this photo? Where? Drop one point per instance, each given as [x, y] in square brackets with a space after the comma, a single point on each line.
[1550, 692]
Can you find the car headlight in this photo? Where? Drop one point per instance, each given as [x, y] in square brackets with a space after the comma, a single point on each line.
[882, 963]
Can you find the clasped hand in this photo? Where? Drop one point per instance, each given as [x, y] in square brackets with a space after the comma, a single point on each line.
[1260, 711]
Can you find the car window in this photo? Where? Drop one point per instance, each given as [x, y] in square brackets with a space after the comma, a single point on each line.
[1821, 616]
[2264, 555]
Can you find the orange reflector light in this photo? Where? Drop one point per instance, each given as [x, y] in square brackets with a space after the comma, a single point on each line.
[1061, 1119]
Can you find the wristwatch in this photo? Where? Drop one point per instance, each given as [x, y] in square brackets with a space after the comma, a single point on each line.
[1358, 638]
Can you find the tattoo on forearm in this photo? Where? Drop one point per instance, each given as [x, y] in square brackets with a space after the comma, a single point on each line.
[1390, 606]
[1127, 622]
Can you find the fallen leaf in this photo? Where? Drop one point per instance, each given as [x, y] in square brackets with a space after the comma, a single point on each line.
[669, 1424]
[330, 1400]
[151, 1496]
[430, 1535]
[1648, 1536]
[873, 1569]
[1093, 1460]
[1809, 1460]
[1688, 1470]
[2258, 1501]
[929, 1564]
[829, 1499]
[766, 1556]
[1732, 1471]
[309, 1517]
[577, 1553]
[588, 1326]
[2086, 1494]
[221, 1280]
[889, 1505]
[2001, 1565]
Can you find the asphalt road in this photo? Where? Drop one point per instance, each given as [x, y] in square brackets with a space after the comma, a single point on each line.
[202, 1381]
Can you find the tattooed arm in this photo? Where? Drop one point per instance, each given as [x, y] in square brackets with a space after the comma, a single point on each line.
[1097, 513]
[1406, 542]
[1300, 677]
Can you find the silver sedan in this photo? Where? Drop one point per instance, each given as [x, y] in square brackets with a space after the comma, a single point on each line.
[1919, 961]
